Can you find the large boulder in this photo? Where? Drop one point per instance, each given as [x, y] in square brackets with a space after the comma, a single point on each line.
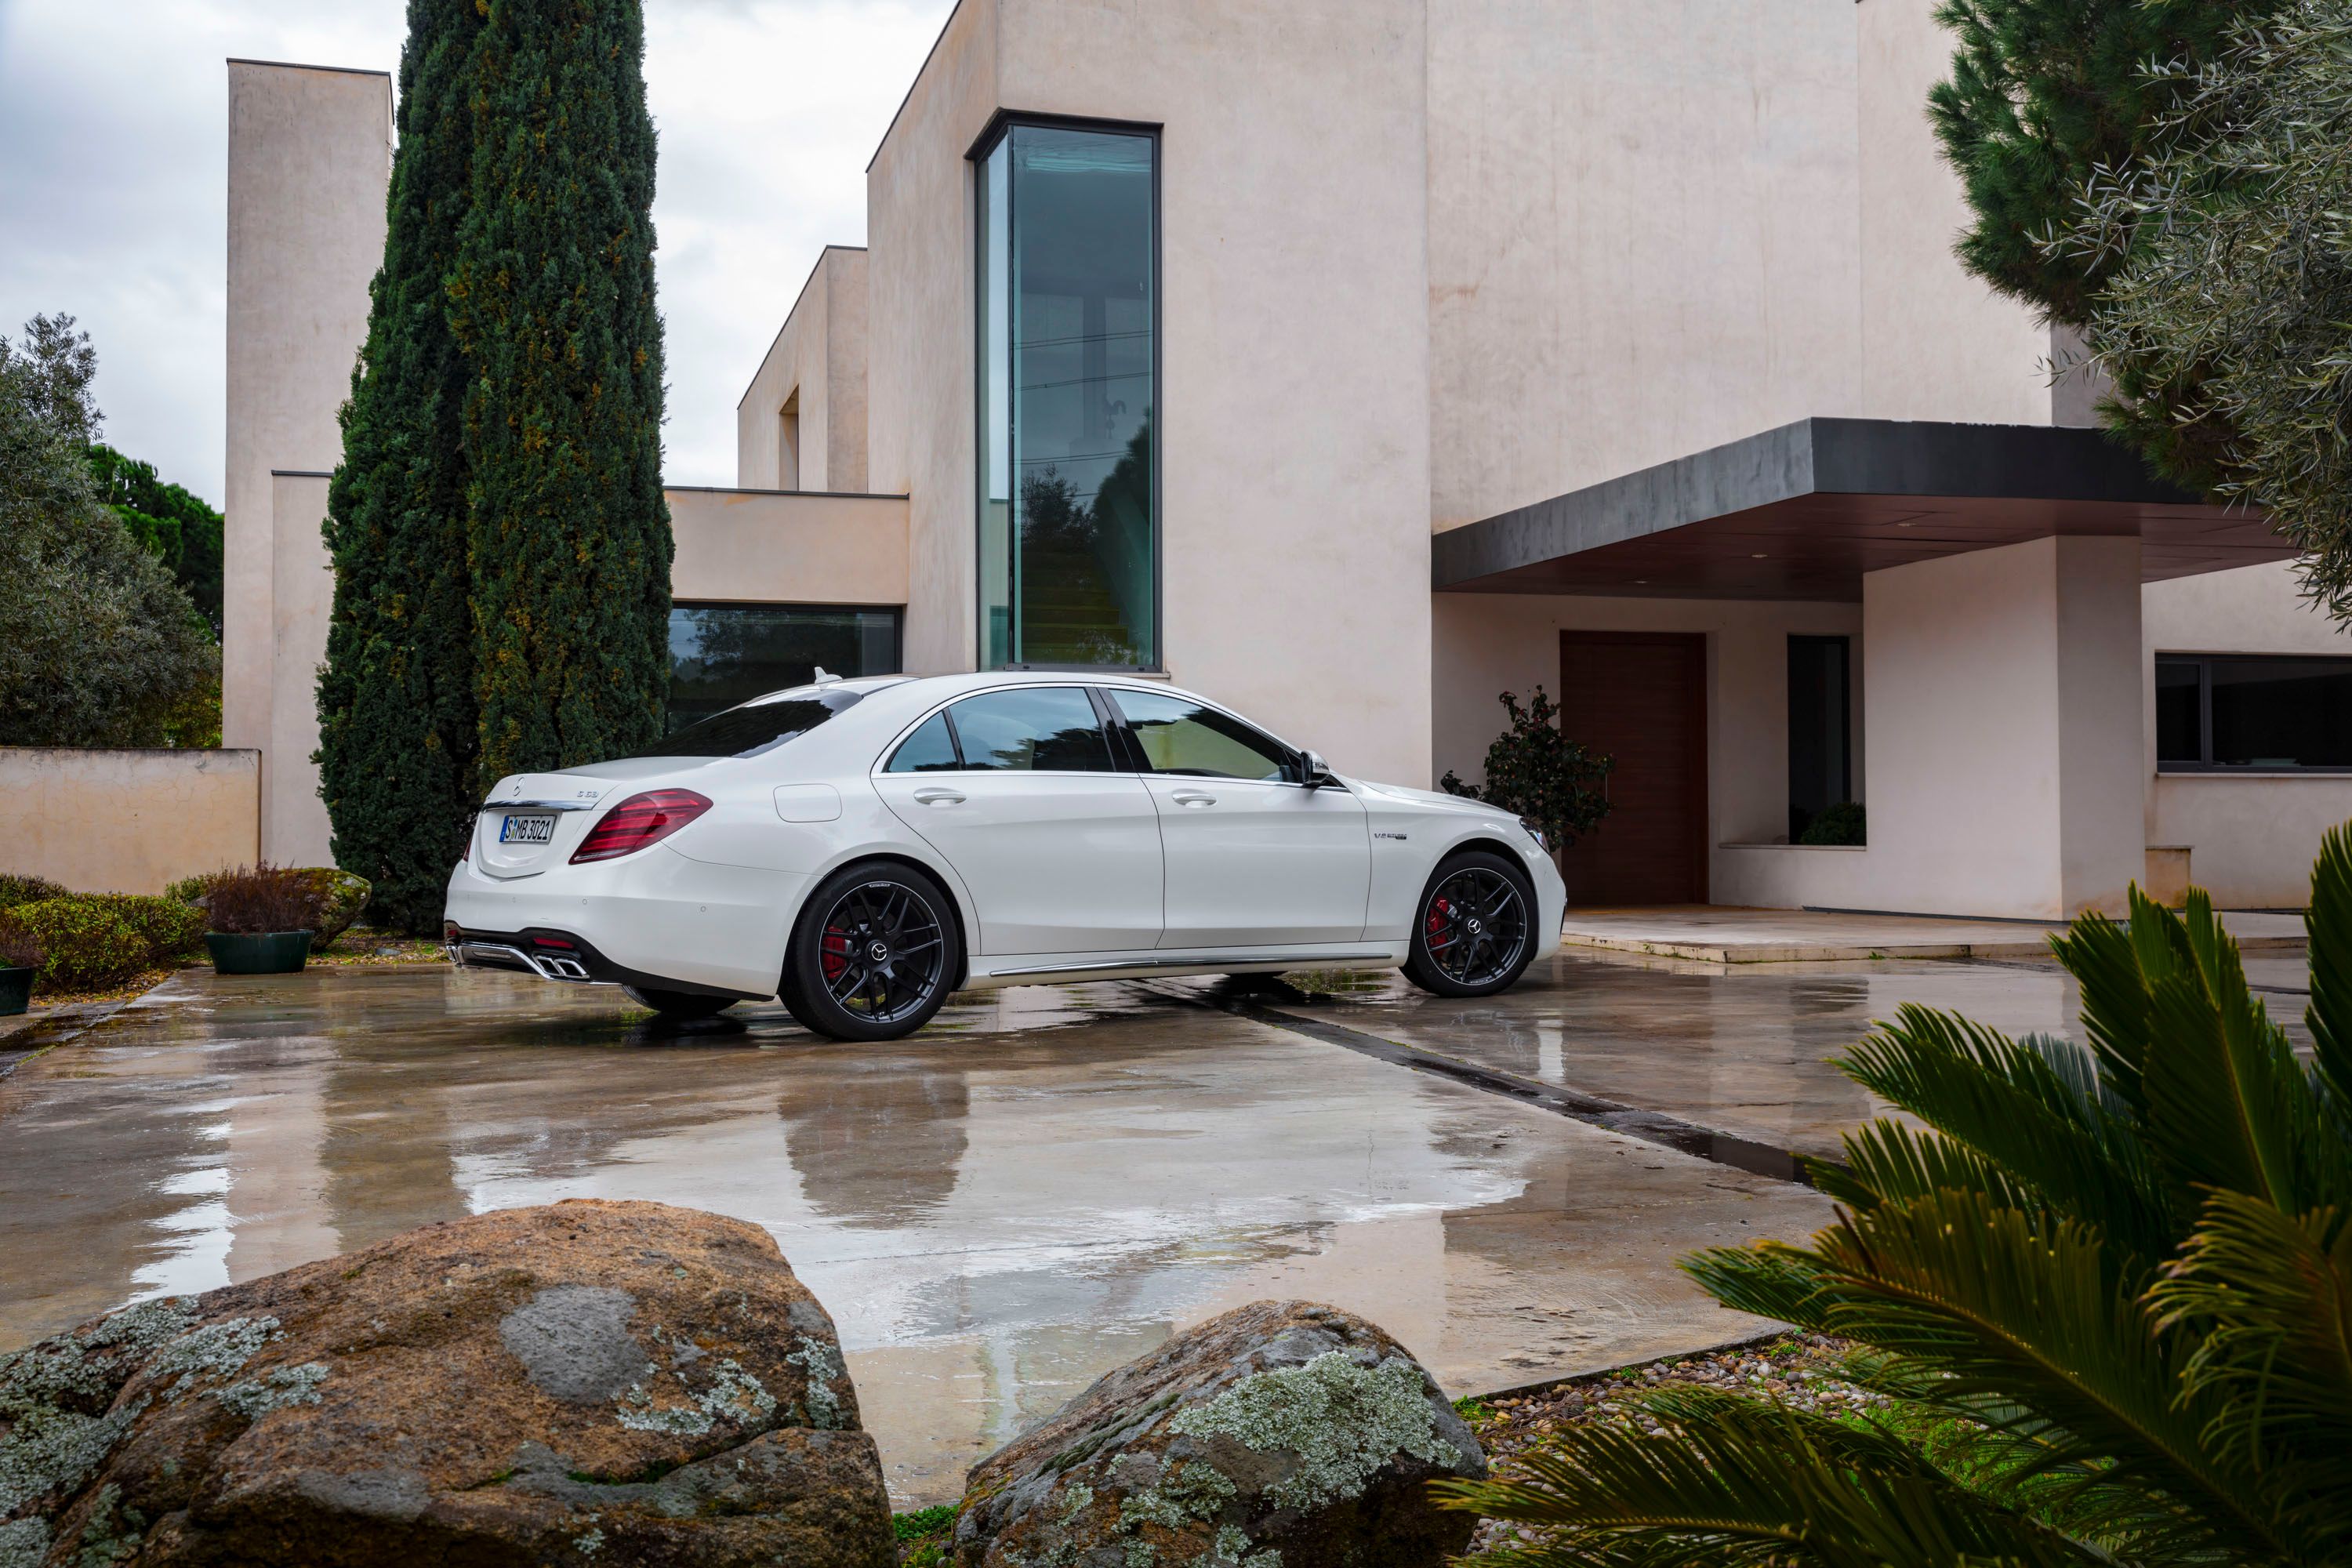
[587, 1384]
[1282, 1434]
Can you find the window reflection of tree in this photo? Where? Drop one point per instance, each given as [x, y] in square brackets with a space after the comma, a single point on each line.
[878, 1146]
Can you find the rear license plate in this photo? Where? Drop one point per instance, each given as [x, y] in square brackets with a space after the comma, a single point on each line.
[527, 830]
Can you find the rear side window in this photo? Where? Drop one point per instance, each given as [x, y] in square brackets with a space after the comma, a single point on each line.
[756, 727]
[1042, 728]
[930, 750]
[1180, 736]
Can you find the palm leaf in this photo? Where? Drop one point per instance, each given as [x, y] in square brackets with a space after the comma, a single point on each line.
[2272, 1295]
[1770, 1280]
[2228, 1106]
[2040, 1124]
[1744, 1482]
[1886, 1161]
[2011, 1310]
[2328, 923]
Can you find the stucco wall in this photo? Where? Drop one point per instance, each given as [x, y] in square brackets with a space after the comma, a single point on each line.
[1657, 226]
[1491, 643]
[1293, 417]
[762, 547]
[2251, 837]
[127, 821]
[920, 330]
[309, 157]
[294, 826]
[1937, 342]
[818, 357]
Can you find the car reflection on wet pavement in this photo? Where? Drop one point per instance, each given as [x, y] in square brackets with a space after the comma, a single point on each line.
[1044, 1183]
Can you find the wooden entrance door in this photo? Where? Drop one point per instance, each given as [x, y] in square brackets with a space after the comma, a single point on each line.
[1640, 698]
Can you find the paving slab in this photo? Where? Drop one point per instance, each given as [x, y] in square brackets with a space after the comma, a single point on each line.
[1048, 1182]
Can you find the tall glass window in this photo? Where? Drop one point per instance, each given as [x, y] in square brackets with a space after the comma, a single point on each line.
[1068, 377]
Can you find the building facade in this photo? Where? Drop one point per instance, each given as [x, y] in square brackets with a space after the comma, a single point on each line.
[1355, 361]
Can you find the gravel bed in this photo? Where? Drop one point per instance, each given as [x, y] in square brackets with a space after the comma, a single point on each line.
[1797, 1369]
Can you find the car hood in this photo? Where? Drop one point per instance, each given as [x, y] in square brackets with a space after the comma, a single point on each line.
[1432, 800]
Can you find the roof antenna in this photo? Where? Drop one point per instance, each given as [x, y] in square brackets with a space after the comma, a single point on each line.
[826, 677]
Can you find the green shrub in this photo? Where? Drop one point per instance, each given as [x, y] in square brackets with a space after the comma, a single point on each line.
[99, 940]
[19, 948]
[1534, 769]
[1843, 825]
[16, 889]
[342, 897]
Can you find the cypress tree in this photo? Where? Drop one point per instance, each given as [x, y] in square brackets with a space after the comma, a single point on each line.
[552, 302]
[398, 764]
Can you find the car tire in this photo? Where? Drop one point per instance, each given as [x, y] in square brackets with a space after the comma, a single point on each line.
[679, 1003]
[1473, 928]
[875, 953]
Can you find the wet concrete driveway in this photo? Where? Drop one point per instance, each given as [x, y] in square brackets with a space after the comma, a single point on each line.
[1044, 1183]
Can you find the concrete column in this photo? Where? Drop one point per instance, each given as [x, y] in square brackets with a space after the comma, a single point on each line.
[2004, 743]
[310, 158]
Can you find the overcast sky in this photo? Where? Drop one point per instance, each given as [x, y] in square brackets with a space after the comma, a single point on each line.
[113, 184]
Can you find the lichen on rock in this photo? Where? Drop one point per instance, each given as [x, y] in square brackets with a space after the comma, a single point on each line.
[1282, 1434]
[734, 1394]
[1343, 1422]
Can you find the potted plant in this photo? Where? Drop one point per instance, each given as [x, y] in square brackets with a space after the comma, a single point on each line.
[259, 920]
[20, 960]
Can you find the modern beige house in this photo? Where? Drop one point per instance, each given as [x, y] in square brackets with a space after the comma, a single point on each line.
[1356, 362]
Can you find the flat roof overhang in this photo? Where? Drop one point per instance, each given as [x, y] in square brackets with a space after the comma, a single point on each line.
[1804, 511]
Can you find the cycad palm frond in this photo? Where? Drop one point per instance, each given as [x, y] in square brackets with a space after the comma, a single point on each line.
[2328, 924]
[2034, 1122]
[1743, 1483]
[2271, 1297]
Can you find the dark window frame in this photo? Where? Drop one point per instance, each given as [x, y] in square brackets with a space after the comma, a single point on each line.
[898, 613]
[999, 125]
[2205, 764]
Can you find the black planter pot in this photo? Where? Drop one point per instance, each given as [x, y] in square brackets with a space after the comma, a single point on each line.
[259, 952]
[15, 990]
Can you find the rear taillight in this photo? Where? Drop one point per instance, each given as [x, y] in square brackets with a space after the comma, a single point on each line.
[640, 820]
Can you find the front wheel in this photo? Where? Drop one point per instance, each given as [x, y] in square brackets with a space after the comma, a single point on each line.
[679, 1003]
[1474, 930]
[873, 954]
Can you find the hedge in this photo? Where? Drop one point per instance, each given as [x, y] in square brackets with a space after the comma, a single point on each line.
[96, 941]
[19, 890]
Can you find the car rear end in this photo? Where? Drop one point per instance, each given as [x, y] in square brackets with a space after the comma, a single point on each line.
[578, 877]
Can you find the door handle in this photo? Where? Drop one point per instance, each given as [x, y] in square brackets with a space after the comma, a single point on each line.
[1193, 797]
[937, 796]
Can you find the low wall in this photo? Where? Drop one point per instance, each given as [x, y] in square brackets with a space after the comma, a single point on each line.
[127, 821]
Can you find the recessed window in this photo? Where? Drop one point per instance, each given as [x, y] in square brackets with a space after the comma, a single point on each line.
[1068, 379]
[2258, 712]
[720, 654]
[1821, 729]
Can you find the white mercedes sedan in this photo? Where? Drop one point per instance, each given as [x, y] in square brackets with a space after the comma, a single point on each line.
[861, 849]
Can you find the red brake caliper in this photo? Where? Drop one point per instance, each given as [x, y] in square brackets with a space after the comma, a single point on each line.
[833, 953]
[1438, 909]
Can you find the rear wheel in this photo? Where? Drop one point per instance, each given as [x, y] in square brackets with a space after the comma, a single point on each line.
[874, 955]
[679, 1003]
[1474, 932]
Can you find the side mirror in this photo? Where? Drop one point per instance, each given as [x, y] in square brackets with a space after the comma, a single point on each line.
[1315, 773]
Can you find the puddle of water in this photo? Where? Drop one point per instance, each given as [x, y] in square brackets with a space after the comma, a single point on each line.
[995, 1212]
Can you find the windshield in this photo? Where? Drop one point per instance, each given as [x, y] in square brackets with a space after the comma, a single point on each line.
[756, 727]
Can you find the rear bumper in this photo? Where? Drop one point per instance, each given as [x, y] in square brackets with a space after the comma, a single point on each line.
[654, 919]
[559, 956]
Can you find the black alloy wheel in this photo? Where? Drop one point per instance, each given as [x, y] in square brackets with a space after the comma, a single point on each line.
[1473, 933]
[679, 1003]
[874, 955]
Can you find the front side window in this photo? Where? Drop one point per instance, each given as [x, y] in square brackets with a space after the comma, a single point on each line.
[720, 654]
[1043, 729]
[2259, 712]
[1180, 736]
[1068, 378]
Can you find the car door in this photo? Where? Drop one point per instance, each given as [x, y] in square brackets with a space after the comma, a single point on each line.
[1057, 843]
[1254, 858]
